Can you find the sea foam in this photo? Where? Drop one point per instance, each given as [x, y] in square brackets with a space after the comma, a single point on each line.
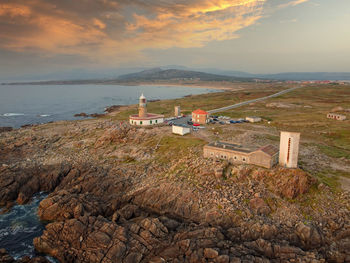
[13, 114]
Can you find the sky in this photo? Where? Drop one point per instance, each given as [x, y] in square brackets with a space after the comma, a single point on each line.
[256, 36]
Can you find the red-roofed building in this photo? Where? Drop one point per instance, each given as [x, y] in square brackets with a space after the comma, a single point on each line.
[200, 116]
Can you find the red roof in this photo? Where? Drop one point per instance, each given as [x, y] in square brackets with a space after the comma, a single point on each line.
[200, 112]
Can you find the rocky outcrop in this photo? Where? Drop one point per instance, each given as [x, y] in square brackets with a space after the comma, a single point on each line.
[115, 195]
[152, 239]
[21, 185]
[6, 258]
[5, 129]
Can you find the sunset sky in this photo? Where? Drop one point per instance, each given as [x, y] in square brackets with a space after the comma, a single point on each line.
[258, 36]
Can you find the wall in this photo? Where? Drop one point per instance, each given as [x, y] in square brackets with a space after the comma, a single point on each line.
[262, 159]
[146, 122]
[177, 111]
[200, 118]
[292, 162]
[258, 158]
[181, 130]
[233, 157]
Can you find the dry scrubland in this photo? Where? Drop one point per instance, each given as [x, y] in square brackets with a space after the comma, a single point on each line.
[126, 194]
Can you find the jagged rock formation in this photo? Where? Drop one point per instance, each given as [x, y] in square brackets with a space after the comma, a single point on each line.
[115, 197]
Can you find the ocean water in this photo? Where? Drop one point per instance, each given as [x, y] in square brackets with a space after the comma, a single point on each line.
[19, 226]
[32, 104]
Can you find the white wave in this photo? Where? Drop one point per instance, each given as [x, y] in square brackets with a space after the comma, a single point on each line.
[44, 115]
[13, 114]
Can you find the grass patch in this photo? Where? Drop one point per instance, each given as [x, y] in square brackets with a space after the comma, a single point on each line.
[334, 152]
[171, 147]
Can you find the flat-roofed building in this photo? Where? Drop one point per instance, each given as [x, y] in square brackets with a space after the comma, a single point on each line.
[253, 119]
[266, 156]
[181, 129]
[337, 117]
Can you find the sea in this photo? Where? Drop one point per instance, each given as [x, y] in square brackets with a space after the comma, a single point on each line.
[20, 226]
[34, 104]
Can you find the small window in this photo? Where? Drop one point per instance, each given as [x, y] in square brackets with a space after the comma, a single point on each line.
[243, 159]
[235, 157]
[140, 122]
[156, 121]
[150, 122]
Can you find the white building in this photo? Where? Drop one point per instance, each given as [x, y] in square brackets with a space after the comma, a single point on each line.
[253, 119]
[289, 149]
[181, 129]
[337, 117]
[144, 118]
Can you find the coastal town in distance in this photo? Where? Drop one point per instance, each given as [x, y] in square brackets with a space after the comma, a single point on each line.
[107, 156]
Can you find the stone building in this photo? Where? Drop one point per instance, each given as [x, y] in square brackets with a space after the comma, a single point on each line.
[337, 117]
[289, 149]
[144, 118]
[266, 156]
[200, 116]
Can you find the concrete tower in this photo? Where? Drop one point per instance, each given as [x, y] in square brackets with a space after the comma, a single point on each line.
[142, 106]
[177, 111]
[289, 149]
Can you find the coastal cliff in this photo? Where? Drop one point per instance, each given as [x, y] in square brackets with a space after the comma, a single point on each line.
[123, 194]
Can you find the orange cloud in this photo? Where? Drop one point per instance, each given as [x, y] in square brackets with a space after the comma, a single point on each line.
[120, 29]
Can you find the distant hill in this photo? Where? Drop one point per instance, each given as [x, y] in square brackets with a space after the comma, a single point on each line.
[172, 73]
[155, 74]
[177, 74]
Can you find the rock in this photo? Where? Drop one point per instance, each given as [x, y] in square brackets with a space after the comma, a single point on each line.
[219, 173]
[222, 259]
[309, 236]
[259, 206]
[5, 129]
[337, 109]
[82, 114]
[210, 253]
[112, 108]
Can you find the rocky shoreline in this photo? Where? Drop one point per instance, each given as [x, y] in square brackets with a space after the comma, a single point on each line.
[115, 197]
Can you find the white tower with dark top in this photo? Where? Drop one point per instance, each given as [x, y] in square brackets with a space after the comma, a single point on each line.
[289, 149]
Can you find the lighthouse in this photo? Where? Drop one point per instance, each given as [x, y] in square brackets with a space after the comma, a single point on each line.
[143, 118]
[142, 106]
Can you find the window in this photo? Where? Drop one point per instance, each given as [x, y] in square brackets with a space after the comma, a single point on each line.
[235, 157]
[140, 122]
[156, 121]
[288, 153]
[243, 159]
[150, 122]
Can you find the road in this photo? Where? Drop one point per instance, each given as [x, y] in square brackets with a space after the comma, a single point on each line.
[251, 101]
[187, 118]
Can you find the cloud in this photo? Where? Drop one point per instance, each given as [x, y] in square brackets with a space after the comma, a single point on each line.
[292, 3]
[120, 29]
